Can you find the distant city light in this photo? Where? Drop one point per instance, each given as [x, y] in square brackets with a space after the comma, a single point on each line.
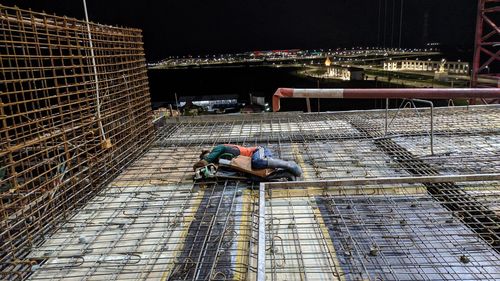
[327, 57]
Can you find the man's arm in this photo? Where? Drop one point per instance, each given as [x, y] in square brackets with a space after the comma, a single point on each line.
[215, 153]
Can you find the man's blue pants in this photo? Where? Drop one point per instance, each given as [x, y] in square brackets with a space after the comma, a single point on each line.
[259, 158]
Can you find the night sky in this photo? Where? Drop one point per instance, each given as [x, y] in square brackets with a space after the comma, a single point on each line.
[189, 27]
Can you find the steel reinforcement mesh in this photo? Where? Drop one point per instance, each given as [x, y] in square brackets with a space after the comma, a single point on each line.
[362, 211]
[148, 225]
[373, 232]
[68, 124]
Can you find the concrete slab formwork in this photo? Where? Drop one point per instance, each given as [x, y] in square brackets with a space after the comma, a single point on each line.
[153, 222]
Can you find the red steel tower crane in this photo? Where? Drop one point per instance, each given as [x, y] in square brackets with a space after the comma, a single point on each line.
[486, 63]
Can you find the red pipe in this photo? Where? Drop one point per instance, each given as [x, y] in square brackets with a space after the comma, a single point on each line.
[401, 93]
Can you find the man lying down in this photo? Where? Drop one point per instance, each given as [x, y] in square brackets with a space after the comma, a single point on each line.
[261, 158]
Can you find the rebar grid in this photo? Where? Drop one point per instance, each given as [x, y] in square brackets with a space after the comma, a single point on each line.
[53, 155]
[466, 140]
[155, 223]
[152, 222]
[372, 232]
[335, 125]
[345, 145]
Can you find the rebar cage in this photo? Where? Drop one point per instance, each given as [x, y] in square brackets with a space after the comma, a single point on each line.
[68, 125]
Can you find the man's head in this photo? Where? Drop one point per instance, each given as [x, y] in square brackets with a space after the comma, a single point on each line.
[204, 152]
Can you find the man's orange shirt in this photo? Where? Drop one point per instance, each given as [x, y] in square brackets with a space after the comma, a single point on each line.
[245, 151]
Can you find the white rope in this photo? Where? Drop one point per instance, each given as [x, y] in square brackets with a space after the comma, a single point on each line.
[99, 121]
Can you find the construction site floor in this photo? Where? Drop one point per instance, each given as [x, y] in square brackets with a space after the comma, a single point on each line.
[154, 223]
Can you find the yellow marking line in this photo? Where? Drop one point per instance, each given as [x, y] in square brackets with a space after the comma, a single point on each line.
[329, 244]
[242, 246]
[300, 160]
[187, 222]
[308, 192]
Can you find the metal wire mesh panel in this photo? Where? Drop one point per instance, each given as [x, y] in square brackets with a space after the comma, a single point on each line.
[153, 223]
[372, 232]
[448, 121]
[66, 129]
[377, 232]
[353, 144]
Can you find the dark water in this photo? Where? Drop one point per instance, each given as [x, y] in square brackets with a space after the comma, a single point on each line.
[258, 80]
